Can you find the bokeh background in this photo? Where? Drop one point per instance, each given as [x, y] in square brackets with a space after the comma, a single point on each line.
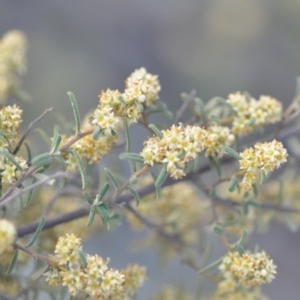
[213, 46]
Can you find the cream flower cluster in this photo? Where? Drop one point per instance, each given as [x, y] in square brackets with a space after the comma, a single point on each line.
[251, 113]
[10, 173]
[227, 289]
[8, 234]
[89, 275]
[13, 46]
[179, 145]
[250, 270]
[142, 87]
[89, 149]
[10, 120]
[262, 159]
[141, 90]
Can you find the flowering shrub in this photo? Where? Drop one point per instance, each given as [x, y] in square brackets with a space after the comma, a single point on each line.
[166, 194]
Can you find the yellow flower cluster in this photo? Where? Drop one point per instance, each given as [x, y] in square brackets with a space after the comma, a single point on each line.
[10, 120]
[251, 113]
[90, 275]
[13, 46]
[8, 234]
[179, 145]
[172, 293]
[141, 90]
[250, 270]
[10, 173]
[89, 149]
[228, 289]
[261, 160]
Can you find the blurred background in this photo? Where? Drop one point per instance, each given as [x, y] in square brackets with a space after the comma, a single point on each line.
[214, 46]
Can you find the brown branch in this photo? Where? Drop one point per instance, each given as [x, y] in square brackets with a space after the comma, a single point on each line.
[74, 139]
[35, 255]
[30, 127]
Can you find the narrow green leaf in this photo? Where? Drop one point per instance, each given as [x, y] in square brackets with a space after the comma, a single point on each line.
[263, 178]
[91, 216]
[132, 166]
[12, 263]
[215, 164]
[161, 178]
[215, 118]
[104, 214]
[42, 160]
[10, 157]
[28, 152]
[210, 266]
[56, 140]
[135, 195]
[97, 133]
[255, 190]
[75, 111]
[60, 160]
[232, 184]
[131, 156]
[239, 249]
[30, 194]
[37, 233]
[112, 178]
[82, 258]
[121, 99]
[154, 176]
[199, 107]
[165, 112]
[156, 130]
[218, 230]
[81, 168]
[253, 203]
[231, 152]
[242, 238]
[88, 198]
[127, 135]
[102, 193]
[115, 218]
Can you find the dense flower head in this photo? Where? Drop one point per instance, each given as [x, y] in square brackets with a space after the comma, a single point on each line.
[8, 234]
[249, 269]
[251, 113]
[218, 137]
[13, 46]
[179, 145]
[9, 171]
[134, 277]
[89, 275]
[261, 160]
[143, 87]
[141, 91]
[10, 120]
[89, 149]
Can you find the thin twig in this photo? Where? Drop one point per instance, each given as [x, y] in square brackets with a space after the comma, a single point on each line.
[30, 127]
[184, 106]
[35, 255]
[75, 138]
[33, 186]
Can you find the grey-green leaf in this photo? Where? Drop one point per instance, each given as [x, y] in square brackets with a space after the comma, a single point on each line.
[37, 232]
[75, 111]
